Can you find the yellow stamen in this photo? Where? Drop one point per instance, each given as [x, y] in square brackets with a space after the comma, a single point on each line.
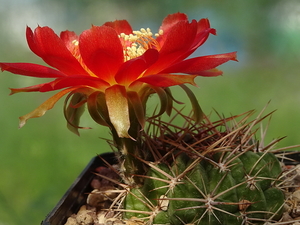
[135, 44]
[75, 42]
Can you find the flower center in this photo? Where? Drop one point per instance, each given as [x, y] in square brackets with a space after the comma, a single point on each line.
[135, 44]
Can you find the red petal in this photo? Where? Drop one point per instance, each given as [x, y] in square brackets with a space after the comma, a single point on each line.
[168, 23]
[150, 56]
[210, 73]
[120, 26]
[134, 68]
[167, 80]
[43, 108]
[179, 37]
[33, 88]
[200, 64]
[130, 71]
[46, 44]
[75, 82]
[204, 25]
[68, 37]
[101, 51]
[178, 42]
[31, 70]
[172, 19]
[203, 32]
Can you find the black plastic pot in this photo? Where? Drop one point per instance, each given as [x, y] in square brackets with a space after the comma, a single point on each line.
[76, 195]
[292, 159]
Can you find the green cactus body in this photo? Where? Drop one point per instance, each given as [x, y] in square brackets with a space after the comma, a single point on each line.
[226, 188]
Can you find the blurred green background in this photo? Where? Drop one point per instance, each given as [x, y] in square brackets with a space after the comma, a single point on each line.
[40, 161]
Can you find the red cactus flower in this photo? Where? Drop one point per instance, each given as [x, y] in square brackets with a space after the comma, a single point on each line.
[114, 69]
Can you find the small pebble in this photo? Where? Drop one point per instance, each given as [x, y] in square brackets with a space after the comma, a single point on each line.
[71, 221]
[85, 216]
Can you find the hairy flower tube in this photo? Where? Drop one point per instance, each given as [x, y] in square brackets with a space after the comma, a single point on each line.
[113, 69]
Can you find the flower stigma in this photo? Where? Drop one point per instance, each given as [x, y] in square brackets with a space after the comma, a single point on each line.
[135, 44]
